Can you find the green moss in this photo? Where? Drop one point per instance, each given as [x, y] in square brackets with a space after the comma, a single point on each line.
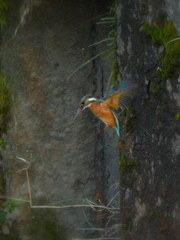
[11, 205]
[2, 144]
[154, 88]
[157, 89]
[161, 32]
[126, 165]
[129, 124]
[128, 225]
[2, 183]
[177, 117]
[3, 217]
[123, 112]
[4, 103]
[129, 113]
[44, 226]
[14, 234]
[145, 101]
[161, 74]
[3, 10]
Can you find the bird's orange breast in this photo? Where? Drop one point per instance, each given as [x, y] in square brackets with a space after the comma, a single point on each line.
[103, 113]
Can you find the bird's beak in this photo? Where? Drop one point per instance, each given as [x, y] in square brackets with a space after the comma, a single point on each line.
[79, 111]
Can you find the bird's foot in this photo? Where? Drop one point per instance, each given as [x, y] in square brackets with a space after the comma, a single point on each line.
[106, 127]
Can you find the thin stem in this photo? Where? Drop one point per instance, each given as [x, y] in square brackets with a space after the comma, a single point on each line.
[84, 64]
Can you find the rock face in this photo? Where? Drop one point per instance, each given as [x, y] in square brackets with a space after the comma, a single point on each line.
[75, 165]
[150, 155]
[69, 164]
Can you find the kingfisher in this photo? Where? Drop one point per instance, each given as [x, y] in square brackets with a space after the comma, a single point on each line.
[104, 108]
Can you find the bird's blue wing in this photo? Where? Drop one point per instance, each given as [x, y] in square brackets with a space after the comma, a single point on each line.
[119, 87]
[124, 84]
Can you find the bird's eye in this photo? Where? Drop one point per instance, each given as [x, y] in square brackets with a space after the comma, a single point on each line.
[82, 105]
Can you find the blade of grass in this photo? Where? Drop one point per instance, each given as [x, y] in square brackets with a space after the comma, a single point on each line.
[175, 39]
[87, 220]
[104, 40]
[107, 18]
[84, 64]
[67, 200]
[104, 22]
[91, 20]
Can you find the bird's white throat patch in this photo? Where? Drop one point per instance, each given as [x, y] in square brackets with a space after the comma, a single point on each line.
[92, 99]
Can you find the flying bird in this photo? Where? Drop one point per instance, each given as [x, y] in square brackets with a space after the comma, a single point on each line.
[104, 108]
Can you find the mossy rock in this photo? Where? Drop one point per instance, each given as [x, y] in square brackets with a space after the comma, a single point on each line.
[154, 88]
[162, 32]
[126, 165]
[43, 225]
[3, 10]
[5, 103]
[130, 121]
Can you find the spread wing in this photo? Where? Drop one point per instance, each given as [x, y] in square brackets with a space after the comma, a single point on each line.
[120, 98]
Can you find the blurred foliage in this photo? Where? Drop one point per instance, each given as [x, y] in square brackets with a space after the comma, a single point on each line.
[3, 217]
[2, 144]
[3, 10]
[11, 205]
[178, 117]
